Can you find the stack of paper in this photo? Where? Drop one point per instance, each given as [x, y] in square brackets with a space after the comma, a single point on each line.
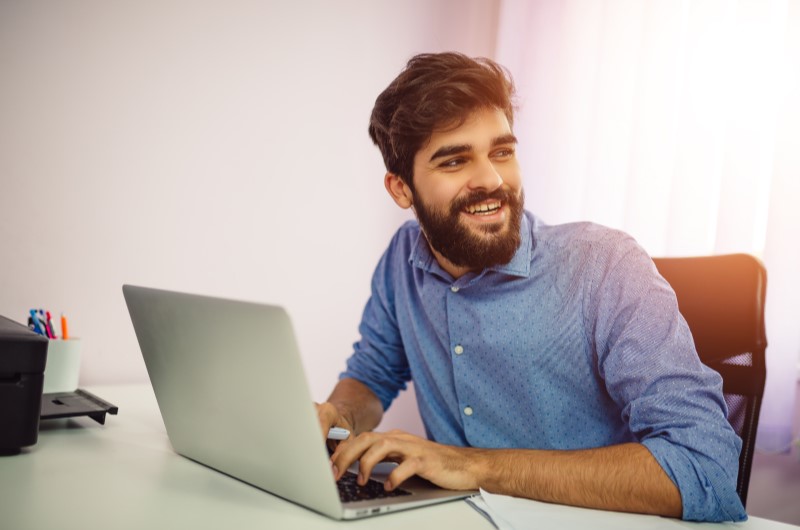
[512, 513]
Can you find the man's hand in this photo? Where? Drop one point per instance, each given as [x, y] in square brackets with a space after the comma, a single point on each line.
[623, 477]
[351, 406]
[446, 466]
[329, 416]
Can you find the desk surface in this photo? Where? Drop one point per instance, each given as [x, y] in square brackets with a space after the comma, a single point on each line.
[124, 474]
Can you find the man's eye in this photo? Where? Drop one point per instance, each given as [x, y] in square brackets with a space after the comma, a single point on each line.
[504, 153]
[453, 162]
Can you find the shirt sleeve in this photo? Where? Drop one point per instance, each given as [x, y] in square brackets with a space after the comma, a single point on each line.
[379, 360]
[672, 403]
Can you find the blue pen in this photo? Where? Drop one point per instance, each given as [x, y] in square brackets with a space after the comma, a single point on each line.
[35, 319]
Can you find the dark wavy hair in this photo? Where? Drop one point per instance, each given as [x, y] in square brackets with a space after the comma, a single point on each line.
[434, 92]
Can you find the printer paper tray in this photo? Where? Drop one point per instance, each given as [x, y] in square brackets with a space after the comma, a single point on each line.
[78, 403]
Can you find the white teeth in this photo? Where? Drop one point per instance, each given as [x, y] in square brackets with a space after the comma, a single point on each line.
[483, 208]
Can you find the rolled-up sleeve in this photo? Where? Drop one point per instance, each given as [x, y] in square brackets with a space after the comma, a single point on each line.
[379, 360]
[671, 402]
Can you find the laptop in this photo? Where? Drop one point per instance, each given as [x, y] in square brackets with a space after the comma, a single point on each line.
[230, 385]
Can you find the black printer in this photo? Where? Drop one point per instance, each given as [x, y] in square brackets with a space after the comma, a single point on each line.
[23, 354]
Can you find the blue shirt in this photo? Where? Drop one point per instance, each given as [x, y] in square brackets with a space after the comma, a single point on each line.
[576, 343]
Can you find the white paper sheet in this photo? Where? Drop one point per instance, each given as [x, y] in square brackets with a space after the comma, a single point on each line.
[512, 513]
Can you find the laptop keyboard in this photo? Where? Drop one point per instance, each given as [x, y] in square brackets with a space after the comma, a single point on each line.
[350, 491]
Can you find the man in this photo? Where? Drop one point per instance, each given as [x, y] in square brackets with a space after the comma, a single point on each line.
[550, 362]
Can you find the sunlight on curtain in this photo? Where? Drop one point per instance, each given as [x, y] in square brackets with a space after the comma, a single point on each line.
[678, 122]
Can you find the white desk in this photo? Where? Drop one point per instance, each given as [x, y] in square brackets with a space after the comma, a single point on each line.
[83, 475]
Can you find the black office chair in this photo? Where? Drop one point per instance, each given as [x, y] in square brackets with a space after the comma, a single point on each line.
[722, 300]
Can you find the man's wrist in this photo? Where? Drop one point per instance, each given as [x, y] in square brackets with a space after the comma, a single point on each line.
[501, 470]
[480, 466]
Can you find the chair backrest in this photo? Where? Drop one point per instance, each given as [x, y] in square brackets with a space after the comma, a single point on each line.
[722, 300]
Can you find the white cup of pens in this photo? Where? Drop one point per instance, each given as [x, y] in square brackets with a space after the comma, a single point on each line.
[63, 352]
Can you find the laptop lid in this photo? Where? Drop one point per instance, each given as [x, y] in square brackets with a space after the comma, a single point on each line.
[230, 385]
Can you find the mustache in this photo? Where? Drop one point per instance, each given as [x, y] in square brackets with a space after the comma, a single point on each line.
[500, 194]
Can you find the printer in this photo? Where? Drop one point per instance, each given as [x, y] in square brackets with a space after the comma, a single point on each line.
[23, 354]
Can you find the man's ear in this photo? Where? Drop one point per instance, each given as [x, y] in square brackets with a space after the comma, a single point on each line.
[399, 190]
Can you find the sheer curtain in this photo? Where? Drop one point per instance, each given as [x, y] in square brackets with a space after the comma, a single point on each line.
[678, 122]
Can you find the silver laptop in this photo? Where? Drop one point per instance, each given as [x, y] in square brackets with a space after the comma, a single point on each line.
[230, 385]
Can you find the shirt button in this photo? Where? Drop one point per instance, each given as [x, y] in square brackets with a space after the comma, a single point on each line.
[459, 349]
[454, 288]
[468, 411]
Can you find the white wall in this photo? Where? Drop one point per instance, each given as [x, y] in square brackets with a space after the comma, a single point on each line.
[212, 147]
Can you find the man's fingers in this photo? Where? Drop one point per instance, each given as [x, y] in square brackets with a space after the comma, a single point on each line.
[354, 449]
[407, 469]
[442, 465]
[346, 453]
[382, 449]
[328, 417]
[370, 448]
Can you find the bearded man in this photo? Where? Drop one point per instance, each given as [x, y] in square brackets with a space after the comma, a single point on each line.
[549, 362]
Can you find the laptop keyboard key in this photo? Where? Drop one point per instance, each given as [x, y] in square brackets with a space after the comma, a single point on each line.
[350, 491]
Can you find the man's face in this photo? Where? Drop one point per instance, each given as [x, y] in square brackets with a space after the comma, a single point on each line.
[468, 193]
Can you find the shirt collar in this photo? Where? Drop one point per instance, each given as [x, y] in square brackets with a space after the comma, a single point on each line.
[520, 264]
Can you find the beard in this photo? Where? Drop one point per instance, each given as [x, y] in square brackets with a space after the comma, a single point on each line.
[495, 244]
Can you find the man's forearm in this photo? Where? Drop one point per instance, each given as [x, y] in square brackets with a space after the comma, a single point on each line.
[358, 404]
[622, 478]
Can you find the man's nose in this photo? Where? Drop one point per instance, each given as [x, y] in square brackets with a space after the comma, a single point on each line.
[485, 176]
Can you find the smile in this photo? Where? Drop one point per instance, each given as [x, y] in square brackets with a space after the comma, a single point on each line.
[486, 208]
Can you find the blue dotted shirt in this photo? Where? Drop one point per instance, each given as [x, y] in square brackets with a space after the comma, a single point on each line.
[576, 343]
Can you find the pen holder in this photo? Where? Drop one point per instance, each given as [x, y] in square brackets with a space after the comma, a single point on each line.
[63, 366]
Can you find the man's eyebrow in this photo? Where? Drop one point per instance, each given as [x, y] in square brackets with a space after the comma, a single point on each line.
[449, 150]
[505, 139]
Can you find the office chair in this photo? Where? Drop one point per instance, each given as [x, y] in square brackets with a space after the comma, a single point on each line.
[722, 300]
